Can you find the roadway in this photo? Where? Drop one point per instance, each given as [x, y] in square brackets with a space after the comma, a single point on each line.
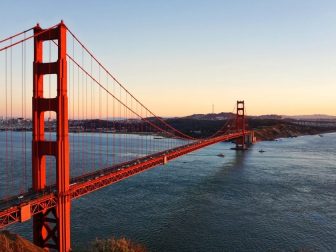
[15, 209]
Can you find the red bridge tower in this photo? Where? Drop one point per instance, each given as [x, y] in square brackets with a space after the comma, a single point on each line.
[240, 125]
[51, 228]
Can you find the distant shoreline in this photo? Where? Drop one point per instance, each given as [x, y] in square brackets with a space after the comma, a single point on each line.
[271, 133]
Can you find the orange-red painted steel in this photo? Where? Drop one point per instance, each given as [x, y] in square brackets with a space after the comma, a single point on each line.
[108, 176]
[49, 206]
[240, 125]
[51, 228]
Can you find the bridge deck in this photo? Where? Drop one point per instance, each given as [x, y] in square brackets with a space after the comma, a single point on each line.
[20, 210]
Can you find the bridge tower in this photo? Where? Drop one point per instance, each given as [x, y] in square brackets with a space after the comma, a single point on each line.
[240, 125]
[51, 228]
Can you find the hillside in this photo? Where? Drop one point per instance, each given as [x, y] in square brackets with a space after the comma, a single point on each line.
[14, 243]
[269, 133]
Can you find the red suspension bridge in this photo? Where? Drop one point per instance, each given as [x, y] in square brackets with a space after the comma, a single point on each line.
[112, 134]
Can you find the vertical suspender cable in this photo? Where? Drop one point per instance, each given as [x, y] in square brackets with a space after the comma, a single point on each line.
[92, 134]
[125, 126]
[78, 136]
[107, 123]
[24, 114]
[120, 135]
[82, 117]
[22, 186]
[49, 165]
[142, 136]
[131, 142]
[6, 124]
[114, 127]
[11, 115]
[69, 76]
[100, 120]
[86, 136]
[73, 105]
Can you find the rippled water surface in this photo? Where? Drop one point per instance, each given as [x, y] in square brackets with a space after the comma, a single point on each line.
[282, 199]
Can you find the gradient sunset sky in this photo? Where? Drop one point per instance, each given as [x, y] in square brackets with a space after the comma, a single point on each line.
[180, 57]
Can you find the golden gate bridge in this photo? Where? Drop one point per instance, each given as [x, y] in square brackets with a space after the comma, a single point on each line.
[43, 166]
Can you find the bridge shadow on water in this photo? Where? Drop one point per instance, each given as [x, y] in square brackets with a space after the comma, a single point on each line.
[191, 217]
[175, 203]
[167, 207]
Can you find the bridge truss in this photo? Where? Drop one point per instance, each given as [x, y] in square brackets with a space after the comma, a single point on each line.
[83, 116]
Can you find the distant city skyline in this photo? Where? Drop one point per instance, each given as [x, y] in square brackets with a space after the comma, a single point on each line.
[180, 58]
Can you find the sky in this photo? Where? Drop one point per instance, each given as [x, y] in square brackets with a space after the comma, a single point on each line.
[180, 57]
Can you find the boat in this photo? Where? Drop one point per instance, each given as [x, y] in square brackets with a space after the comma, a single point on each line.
[261, 151]
[221, 155]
